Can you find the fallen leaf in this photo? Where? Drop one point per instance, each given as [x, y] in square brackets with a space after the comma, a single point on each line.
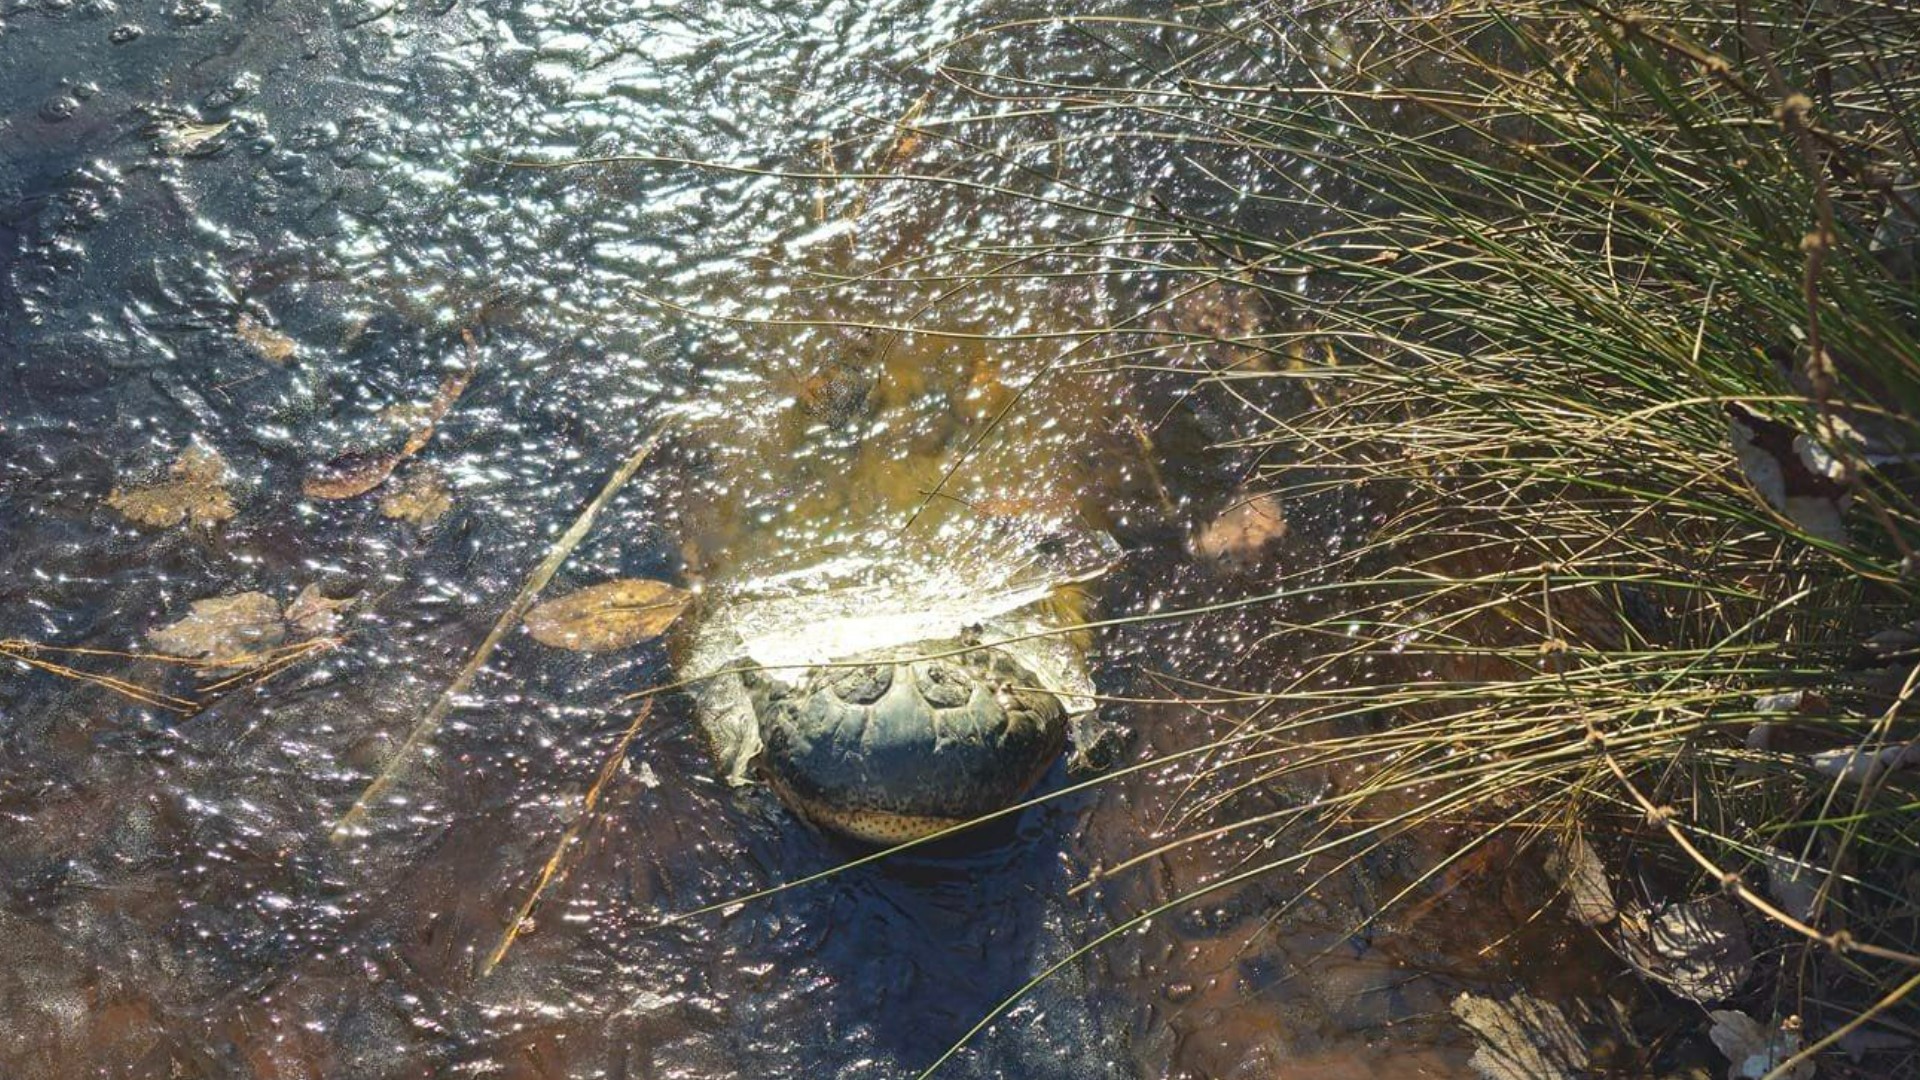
[420, 498]
[611, 615]
[1754, 1050]
[837, 393]
[1860, 1042]
[353, 475]
[1804, 702]
[1895, 643]
[1522, 1038]
[349, 476]
[194, 492]
[223, 628]
[272, 345]
[313, 613]
[1863, 765]
[1896, 239]
[183, 138]
[1578, 869]
[1793, 473]
[1698, 950]
[1236, 540]
[1793, 882]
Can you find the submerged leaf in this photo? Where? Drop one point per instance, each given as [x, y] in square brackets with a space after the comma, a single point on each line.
[420, 498]
[611, 615]
[349, 476]
[1522, 1038]
[1755, 1051]
[1589, 896]
[313, 612]
[1237, 539]
[1698, 950]
[272, 345]
[223, 627]
[352, 475]
[194, 492]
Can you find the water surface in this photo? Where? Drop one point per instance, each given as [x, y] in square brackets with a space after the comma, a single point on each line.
[352, 176]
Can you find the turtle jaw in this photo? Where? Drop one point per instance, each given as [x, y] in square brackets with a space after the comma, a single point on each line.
[866, 825]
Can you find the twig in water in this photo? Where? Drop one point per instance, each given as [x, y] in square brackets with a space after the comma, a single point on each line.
[552, 868]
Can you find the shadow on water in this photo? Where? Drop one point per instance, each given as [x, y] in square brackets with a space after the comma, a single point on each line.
[170, 904]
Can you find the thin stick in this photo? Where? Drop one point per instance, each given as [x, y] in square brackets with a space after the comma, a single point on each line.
[350, 822]
[552, 869]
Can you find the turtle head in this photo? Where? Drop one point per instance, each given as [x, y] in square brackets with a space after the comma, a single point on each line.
[891, 747]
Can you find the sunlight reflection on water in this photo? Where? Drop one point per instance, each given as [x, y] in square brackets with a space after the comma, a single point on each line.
[169, 901]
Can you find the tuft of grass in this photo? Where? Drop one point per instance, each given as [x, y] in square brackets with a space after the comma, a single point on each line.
[1609, 315]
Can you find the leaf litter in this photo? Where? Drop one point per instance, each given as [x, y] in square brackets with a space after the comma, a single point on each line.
[1578, 870]
[194, 492]
[1521, 1038]
[612, 615]
[353, 475]
[1698, 949]
[1795, 474]
[420, 498]
[272, 345]
[245, 630]
[1755, 1050]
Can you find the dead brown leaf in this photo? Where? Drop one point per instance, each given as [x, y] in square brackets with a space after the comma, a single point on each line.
[420, 498]
[353, 475]
[224, 628]
[1238, 539]
[314, 613]
[272, 345]
[194, 492]
[186, 138]
[1522, 1038]
[612, 615]
[1589, 894]
[349, 476]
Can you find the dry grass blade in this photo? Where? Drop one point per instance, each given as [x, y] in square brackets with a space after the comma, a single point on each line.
[33, 655]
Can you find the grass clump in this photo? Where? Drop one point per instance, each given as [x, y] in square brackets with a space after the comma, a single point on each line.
[1610, 314]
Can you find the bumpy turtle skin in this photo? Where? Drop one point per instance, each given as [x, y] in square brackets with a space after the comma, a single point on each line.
[891, 750]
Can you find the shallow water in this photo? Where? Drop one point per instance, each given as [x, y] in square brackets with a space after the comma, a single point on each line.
[170, 901]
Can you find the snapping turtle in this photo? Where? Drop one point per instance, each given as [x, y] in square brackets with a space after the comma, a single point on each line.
[884, 698]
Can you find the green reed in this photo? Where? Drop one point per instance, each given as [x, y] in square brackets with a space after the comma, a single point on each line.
[1522, 268]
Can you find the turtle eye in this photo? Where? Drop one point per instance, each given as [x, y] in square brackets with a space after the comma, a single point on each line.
[861, 685]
